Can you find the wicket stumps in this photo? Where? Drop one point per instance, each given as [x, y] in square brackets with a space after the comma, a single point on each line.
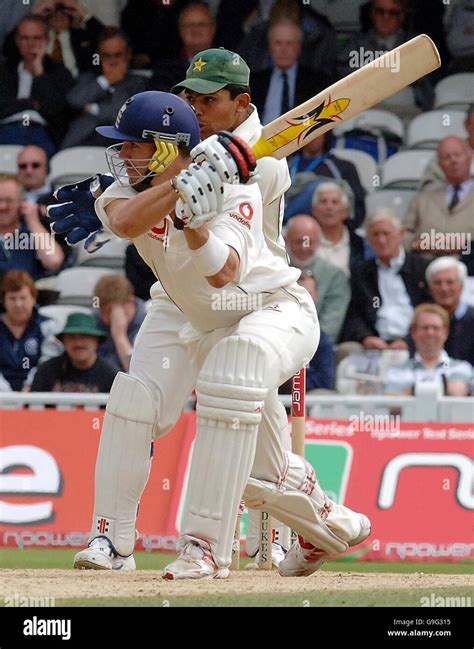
[298, 414]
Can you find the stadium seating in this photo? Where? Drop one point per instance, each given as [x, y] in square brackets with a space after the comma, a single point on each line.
[111, 255]
[76, 163]
[405, 169]
[396, 199]
[427, 129]
[386, 128]
[455, 91]
[60, 312]
[365, 165]
[8, 156]
[76, 285]
[374, 118]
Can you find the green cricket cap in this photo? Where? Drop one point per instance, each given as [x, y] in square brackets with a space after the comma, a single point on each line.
[211, 70]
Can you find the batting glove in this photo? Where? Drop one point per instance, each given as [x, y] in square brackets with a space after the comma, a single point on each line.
[75, 214]
[231, 156]
[202, 194]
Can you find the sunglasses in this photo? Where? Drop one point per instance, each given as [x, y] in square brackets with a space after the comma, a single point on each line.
[24, 165]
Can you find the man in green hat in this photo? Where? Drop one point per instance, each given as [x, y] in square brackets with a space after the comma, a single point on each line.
[217, 86]
[78, 369]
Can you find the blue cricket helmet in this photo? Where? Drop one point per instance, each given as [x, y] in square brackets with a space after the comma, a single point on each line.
[154, 115]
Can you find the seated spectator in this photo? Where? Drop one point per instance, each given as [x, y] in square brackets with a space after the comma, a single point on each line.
[25, 244]
[33, 91]
[446, 277]
[460, 36]
[439, 221]
[97, 99]
[197, 29]
[235, 20]
[319, 38]
[433, 172]
[79, 368]
[386, 289]
[33, 169]
[317, 158]
[26, 337]
[73, 33]
[286, 83]
[339, 243]
[119, 318]
[138, 273]
[334, 293]
[12, 12]
[431, 363]
[152, 28]
[387, 32]
[321, 370]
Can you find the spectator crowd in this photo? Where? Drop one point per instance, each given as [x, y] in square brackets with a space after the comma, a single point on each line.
[393, 289]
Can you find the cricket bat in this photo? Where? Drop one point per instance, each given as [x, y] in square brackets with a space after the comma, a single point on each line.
[348, 97]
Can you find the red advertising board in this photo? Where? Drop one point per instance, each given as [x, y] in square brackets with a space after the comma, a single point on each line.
[414, 483]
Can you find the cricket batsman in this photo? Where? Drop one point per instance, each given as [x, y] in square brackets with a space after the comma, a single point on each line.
[234, 358]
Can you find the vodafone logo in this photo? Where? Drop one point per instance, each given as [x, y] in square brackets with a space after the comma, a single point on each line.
[159, 233]
[161, 230]
[246, 210]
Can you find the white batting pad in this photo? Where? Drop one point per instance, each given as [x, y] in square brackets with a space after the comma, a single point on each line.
[299, 501]
[123, 461]
[230, 394]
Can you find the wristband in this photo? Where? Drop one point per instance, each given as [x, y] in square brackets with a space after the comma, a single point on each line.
[211, 257]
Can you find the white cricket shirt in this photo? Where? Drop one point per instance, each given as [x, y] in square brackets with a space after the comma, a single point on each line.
[165, 250]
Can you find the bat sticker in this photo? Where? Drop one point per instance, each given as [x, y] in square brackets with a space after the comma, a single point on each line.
[301, 127]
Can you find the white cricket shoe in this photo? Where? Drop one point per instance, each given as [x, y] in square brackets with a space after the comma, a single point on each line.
[278, 554]
[302, 559]
[100, 555]
[194, 562]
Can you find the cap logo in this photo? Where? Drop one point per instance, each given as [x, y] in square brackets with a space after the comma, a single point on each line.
[122, 110]
[199, 64]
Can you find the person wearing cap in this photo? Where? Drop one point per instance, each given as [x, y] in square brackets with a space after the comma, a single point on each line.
[217, 86]
[79, 368]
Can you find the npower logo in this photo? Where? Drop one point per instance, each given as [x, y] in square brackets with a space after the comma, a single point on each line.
[43, 479]
[396, 466]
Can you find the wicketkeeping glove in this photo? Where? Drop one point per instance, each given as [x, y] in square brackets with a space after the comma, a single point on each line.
[75, 214]
[231, 156]
[202, 194]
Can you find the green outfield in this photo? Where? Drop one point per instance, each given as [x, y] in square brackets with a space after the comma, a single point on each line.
[36, 572]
